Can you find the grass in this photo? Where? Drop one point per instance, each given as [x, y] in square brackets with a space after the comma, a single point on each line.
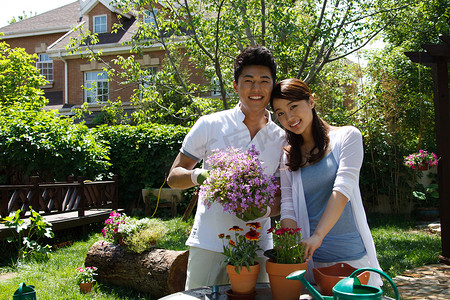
[399, 244]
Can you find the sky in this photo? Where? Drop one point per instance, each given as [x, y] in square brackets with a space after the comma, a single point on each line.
[15, 8]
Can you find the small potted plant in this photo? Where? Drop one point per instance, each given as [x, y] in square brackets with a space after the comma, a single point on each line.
[285, 258]
[421, 160]
[241, 253]
[85, 278]
[427, 202]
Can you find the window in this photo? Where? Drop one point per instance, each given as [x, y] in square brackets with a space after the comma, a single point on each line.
[149, 17]
[215, 87]
[100, 24]
[96, 85]
[45, 66]
[146, 80]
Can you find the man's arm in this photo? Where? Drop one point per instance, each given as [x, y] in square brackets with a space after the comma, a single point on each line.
[180, 172]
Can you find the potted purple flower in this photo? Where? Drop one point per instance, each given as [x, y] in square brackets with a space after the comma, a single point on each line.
[237, 181]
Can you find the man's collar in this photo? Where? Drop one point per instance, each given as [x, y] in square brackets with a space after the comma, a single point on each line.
[242, 116]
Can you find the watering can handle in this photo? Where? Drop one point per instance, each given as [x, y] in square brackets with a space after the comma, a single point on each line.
[21, 286]
[394, 287]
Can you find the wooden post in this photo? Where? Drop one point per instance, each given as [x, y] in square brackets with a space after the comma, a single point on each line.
[115, 192]
[442, 121]
[81, 191]
[34, 199]
[191, 205]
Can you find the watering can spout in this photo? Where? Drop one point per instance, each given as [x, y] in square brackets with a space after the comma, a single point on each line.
[299, 275]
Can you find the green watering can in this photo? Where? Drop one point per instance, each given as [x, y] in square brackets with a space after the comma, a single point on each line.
[25, 292]
[349, 288]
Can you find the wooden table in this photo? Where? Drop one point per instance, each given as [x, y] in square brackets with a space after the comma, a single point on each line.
[262, 293]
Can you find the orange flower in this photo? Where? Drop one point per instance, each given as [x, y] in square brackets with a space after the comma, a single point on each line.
[232, 243]
[255, 225]
[235, 228]
[228, 237]
[252, 235]
[221, 236]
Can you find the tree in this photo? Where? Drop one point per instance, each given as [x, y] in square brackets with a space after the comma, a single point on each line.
[304, 36]
[22, 17]
[422, 23]
[19, 79]
[34, 141]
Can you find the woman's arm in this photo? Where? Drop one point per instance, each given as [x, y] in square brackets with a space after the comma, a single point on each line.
[331, 215]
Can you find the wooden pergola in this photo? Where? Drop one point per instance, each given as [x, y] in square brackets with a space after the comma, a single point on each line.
[437, 56]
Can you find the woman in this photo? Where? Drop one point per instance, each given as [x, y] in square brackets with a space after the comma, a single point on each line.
[319, 183]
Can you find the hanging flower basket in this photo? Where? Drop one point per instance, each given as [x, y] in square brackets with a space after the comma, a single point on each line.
[421, 160]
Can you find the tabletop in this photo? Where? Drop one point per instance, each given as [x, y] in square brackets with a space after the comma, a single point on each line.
[262, 293]
[205, 293]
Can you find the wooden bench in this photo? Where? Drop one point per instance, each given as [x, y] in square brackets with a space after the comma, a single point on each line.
[64, 204]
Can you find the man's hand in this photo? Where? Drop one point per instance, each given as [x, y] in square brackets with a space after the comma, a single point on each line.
[202, 176]
[198, 176]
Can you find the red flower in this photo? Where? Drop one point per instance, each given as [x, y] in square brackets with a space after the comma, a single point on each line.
[221, 236]
[255, 225]
[235, 228]
[228, 237]
[252, 235]
[232, 243]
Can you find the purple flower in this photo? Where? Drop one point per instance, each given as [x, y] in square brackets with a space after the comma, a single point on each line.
[237, 181]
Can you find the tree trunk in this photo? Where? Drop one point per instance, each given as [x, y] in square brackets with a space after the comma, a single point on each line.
[158, 272]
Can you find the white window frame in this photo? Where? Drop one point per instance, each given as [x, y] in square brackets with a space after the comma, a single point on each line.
[95, 84]
[215, 87]
[148, 17]
[45, 66]
[145, 80]
[96, 20]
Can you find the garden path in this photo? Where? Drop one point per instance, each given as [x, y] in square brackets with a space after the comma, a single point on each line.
[427, 282]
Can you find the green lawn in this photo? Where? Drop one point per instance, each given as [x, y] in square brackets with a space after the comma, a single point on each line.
[399, 245]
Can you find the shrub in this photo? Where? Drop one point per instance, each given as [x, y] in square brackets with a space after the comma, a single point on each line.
[142, 240]
[42, 143]
[141, 155]
[29, 235]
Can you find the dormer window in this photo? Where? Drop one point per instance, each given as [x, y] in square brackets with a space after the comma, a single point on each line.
[100, 24]
[149, 16]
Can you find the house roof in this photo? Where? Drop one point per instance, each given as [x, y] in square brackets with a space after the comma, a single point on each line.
[107, 42]
[87, 5]
[61, 19]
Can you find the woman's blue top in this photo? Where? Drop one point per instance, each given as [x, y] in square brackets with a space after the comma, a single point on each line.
[343, 242]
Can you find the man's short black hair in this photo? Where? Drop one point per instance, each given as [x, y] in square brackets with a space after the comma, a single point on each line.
[255, 55]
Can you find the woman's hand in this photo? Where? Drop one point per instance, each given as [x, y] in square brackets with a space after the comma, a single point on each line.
[311, 244]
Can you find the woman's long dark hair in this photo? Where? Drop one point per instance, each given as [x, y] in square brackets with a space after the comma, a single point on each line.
[296, 90]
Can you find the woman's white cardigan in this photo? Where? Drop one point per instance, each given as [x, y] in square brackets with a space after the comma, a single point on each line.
[347, 148]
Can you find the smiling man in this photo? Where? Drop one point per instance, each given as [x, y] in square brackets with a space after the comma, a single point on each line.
[249, 123]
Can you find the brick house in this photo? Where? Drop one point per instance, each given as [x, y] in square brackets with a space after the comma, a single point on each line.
[49, 33]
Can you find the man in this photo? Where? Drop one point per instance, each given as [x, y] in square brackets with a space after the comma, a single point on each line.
[249, 123]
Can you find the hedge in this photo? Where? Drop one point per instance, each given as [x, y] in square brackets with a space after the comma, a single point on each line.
[141, 155]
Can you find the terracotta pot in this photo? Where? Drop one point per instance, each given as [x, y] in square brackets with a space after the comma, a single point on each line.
[245, 281]
[86, 288]
[282, 288]
[327, 277]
